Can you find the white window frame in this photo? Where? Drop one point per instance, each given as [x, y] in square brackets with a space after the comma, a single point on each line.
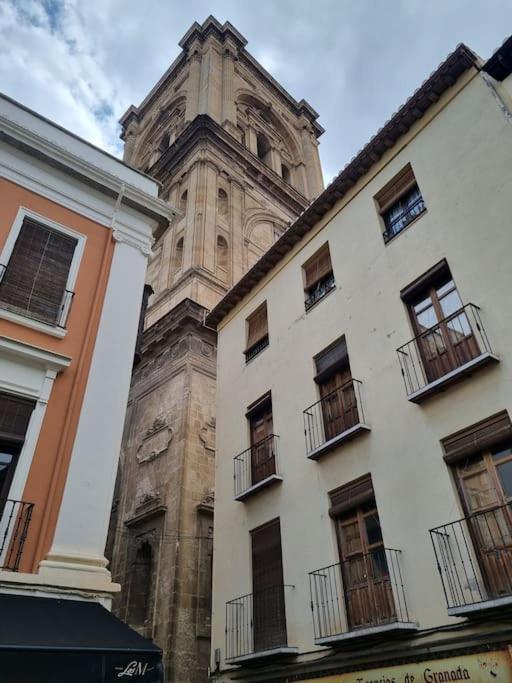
[6, 253]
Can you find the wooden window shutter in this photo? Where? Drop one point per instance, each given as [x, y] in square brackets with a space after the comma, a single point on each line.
[15, 414]
[478, 437]
[267, 563]
[317, 267]
[351, 495]
[396, 187]
[35, 279]
[258, 326]
[335, 357]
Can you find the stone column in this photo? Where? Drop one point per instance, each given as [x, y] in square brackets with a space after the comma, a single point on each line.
[228, 102]
[210, 219]
[237, 230]
[251, 141]
[193, 207]
[192, 106]
[275, 160]
[129, 142]
[315, 183]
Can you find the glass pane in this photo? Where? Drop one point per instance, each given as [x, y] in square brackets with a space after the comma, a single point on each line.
[502, 453]
[379, 564]
[5, 461]
[373, 531]
[352, 537]
[427, 318]
[450, 302]
[505, 475]
[480, 492]
[444, 289]
[459, 328]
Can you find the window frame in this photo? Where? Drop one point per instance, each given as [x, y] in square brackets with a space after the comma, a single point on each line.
[264, 340]
[325, 279]
[383, 207]
[5, 256]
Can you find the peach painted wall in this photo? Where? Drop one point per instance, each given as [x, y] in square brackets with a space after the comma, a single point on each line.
[47, 476]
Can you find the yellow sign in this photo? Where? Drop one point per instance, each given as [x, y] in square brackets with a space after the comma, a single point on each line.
[487, 667]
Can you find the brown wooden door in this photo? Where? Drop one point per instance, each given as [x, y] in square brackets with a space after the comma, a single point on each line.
[368, 592]
[339, 407]
[486, 485]
[269, 616]
[446, 338]
[263, 462]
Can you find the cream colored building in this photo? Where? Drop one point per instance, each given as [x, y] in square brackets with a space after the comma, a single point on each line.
[363, 528]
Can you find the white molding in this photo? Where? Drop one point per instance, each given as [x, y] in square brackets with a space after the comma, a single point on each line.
[35, 354]
[33, 324]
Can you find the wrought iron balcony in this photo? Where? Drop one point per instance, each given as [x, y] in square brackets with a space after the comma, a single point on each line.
[335, 418]
[319, 291]
[445, 353]
[360, 597]
[256, 468]
[35, 306]
[256, 626]
[401, 221]
[474, 560]
[257, 348]
[15, 516]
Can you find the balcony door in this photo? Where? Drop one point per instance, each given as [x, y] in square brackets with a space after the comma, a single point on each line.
[368, 592]
[485, 482]
[263, 462]
[269, 616]
[15, 414]
[446, 340]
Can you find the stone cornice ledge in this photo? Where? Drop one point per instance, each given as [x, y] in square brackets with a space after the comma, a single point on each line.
[48, 359]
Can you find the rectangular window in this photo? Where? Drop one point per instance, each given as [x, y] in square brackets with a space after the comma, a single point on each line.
[318, 276]
[269, 616]
[261, 426]
[444, 334]
[257, 332]
[364, 567]
[399, 202]
[33, 282]
[338, 399]
[15, 414]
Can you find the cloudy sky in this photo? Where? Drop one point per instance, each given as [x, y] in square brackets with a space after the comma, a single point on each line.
[83, 62]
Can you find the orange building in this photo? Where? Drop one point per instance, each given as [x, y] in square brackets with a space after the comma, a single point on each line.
[76, 229]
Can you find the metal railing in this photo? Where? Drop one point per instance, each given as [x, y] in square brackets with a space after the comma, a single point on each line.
[474, 557]
[361, 592]
[255, 464]
[335, 413]
[15, 516]
[401, 221]
[319, 291]
[253, 351]
[256, 622]
[35, 306]
[453, 342]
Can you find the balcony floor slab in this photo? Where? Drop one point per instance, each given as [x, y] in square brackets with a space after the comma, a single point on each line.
[395, 627]
[336, 441]
[283, 651]
[453, 376]
[477, 607]
[263, 484]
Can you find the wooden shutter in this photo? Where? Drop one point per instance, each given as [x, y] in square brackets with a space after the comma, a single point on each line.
[36, 275]
[257, 326]
[317, 267]
[15, 414]
[332, 359]
[267, 562]
[351, 495]
[478, 437]
[396, 187]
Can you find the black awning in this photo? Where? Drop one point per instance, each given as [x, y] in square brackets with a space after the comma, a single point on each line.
[54, 640]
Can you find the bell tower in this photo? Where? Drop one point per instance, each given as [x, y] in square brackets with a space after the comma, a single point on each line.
[238, 156]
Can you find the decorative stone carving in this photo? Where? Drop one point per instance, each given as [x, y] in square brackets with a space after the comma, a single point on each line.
[155, 440]
[207, 435]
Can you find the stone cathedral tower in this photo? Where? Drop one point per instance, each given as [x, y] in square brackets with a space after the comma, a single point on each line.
[239, 157]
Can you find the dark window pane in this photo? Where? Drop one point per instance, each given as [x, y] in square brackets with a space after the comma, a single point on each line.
[505, 475]
[373, 531]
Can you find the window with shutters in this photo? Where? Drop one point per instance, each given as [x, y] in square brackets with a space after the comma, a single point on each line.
[399, 203]
[38, 269]
[15, 414]
[318, 276]
[257, 332]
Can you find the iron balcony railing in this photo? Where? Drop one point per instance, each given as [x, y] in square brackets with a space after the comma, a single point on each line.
[15, 516]
[33, 305]
[361, 592]
[332, 415]
[401, 221]
[255, 464]
[319, 291]
[256, 622]
[441, 349]
[253, 351]
[474, 557]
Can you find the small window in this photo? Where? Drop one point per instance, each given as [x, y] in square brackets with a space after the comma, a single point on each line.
[263, 148]
[178, 256]
[222, 202]
[34, 281]
[257, 332]
[285, 173]
[183, 201]
[222, 258]
[318, 276]
[399, 202]
[164, 142]
[140, 586]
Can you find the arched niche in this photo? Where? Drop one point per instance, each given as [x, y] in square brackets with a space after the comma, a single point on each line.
[140, 585]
